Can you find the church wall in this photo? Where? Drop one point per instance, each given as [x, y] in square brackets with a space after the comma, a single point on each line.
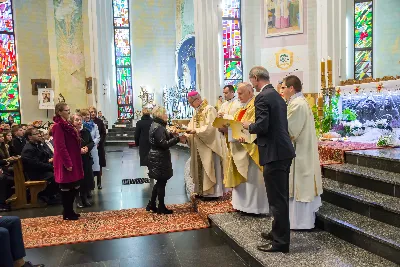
[33, 54]
[302, 45]
[386, 38]
[153, 38]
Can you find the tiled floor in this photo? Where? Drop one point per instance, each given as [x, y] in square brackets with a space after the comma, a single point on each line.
[192, 248]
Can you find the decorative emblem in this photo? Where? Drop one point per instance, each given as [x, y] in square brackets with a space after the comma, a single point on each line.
[357, 89]
[284, 59]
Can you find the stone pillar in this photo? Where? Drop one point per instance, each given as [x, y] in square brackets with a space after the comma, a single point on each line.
[208, 29]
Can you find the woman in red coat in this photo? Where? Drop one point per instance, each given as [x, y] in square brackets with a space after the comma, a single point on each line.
[67, 161]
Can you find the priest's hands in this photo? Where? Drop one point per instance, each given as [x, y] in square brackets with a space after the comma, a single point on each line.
[223, 130]
[242, 140]
[246, 124]
[190, 131]
[221, 115]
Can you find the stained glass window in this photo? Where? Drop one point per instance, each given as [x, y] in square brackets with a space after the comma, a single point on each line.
[232, 42]
[9, 90]
[123, 61]
[363, 45]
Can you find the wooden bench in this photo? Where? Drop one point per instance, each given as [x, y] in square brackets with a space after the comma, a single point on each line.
[19, 199]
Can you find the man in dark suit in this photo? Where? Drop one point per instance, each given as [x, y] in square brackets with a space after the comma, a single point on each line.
[142, 136]
[276, 153]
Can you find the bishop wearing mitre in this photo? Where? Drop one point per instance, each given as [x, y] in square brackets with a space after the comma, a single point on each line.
[207, 149]
[305, 182]
[244, 172]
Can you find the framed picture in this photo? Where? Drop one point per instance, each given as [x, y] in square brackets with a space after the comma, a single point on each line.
[46, 98]
[39, 83]
[283, 17]
[89, 85]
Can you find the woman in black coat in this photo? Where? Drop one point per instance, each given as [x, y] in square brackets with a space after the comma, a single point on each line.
[142, 136]
[87, 145]
[160, 165]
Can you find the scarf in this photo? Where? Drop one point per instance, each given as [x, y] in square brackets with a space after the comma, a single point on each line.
[89, 125]
[67, 127]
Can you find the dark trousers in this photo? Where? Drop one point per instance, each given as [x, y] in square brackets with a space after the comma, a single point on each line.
[68, 198]
[276, 177]
[159, 192]
[6, 184]
[11, 243]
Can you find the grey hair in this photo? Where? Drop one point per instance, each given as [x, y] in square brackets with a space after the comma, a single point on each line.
[260, 73]
[247, 85]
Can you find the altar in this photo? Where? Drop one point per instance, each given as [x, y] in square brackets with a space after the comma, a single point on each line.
[357, 115]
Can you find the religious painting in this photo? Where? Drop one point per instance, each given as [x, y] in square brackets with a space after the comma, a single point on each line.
[284, 59]
[186, 63]
[89, 85]
[39, 83]
[46, 98]
[283, 17]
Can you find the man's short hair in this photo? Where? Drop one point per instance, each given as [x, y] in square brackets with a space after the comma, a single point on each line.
[15, 129]
[293, 80]
[260, 73]
[29, 132]
[230, 87]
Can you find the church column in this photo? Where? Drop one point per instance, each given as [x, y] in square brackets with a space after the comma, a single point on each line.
[208, 27]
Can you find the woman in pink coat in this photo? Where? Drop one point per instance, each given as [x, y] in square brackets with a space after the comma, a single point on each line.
[67, 161]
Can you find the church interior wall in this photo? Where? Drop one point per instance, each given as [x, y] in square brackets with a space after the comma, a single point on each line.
[33, 54]
[298, 44]
[153, 36]
[386, 38]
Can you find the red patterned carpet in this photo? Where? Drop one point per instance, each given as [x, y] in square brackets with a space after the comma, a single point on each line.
[95, 226]
[332, 152]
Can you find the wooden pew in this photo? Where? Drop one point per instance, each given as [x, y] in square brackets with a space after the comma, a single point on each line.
[19, 199]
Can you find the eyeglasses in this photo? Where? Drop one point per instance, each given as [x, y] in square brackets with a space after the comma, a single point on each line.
[191, 102]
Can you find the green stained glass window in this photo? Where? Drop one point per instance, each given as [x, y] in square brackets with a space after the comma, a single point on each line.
[122, 47]
[232, 42]
[9, 90]
[363, 39]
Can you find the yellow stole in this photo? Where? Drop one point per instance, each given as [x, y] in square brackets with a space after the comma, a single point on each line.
[235, 178]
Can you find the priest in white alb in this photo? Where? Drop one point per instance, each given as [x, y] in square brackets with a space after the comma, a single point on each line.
[231, 104]
[207, 149]
[305, 183]
[244, 172]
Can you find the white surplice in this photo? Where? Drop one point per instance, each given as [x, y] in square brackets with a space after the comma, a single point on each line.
[305, 184]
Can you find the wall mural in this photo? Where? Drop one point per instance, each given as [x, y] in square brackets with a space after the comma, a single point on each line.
[283, 17]
[175, 97]
[70, 48]
[9, 90]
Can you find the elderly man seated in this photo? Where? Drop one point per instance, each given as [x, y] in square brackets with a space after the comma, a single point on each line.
[38, 166]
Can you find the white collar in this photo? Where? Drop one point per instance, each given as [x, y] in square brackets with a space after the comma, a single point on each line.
[296, 95]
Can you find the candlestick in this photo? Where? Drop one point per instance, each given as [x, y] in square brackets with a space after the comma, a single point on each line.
[329, 63]
[323, 79]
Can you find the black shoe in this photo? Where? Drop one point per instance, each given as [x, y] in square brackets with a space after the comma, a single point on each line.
[86, 202]
[79, 202]
[267, 236]
[99, 187]
[71, 217]
[76, 214]
[151, 207]
[164, 210]
[270, 248]
[29, 264]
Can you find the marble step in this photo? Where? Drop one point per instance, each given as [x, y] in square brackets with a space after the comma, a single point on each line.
[118, 142]
[381, 181]
[386, 159]
[374, 205]
[113, 138]
[317, 248]
[374, 236]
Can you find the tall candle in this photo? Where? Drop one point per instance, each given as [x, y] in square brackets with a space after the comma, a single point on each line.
[323, 80]
[329, 63]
